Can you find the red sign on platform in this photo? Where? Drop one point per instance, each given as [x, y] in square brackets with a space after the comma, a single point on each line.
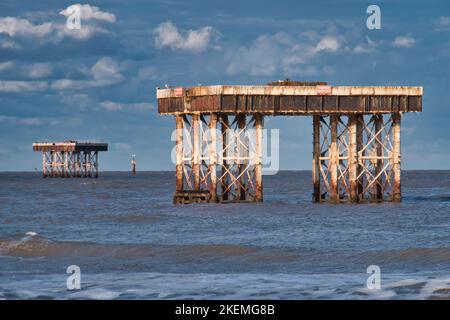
[179, 92]
[323, 89]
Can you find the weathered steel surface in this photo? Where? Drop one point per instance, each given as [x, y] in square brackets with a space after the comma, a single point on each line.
[67, 146]
[397, 188]
[290, 100]
[288, 82]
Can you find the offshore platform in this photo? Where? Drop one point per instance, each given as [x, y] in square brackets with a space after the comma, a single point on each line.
[70, 158]
[356, 138]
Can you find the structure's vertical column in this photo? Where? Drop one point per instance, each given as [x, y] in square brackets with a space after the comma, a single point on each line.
[316, 159]
[239, 157]
[224, 173]
[352, 158]
[89, 164]
[80, 164]
[77, 164]
[359, 147]
[96, 164]
[44, 164]
[74, 164]
[53, 166]
[85, 165]
[396, 167]
[179, 152]
[196, 151]
[69, 164]
[334, 159]
[378, 190]
[258, 157]
[65, 172]
[213, 157]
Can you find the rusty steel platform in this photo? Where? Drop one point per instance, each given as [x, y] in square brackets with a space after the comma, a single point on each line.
[356, 138]
[70, 158]
[290, 99]
[70, 145]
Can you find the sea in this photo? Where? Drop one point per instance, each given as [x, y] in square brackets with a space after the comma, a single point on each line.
[129, 241]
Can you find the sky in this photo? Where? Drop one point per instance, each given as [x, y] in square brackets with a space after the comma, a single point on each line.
[99, 83]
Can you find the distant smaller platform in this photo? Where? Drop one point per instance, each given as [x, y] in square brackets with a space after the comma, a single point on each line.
[70, 145]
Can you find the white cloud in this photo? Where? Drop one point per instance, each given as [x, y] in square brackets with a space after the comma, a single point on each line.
[86, 32]
[22, 121]
[21, 86]
[121, 146]
[327, 43]
[147, 73]
[167, 35]
[6, 65]
[105, 72]
[368, 47]
[89, 12]
[21, 27]
[444, 21]
[37, 70]
[30, 71]
[111, 105]
[405, 42]
[7, 44]
[80, 100]
[55, 31]
[116, 106]
[307, 71]
[261, 59]
[270, 54]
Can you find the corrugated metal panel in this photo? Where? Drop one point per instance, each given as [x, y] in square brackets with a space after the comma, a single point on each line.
[294, 90]
[314, 103]
[415, 104]
[205, 103]
[293, 104]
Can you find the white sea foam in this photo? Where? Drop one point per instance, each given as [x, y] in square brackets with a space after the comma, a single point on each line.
[31, 233]
[231, 286]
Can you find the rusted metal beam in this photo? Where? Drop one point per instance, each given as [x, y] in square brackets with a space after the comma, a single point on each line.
[378, 162]
[44, 164]
[334, 159]
[360, 153]
[397, 190]
[96, 164]
[352, 158]
[213, 157]
[241, 163]
[224, 169]
[179, 152]
[259, 123]
[316, 159]
[196, 150]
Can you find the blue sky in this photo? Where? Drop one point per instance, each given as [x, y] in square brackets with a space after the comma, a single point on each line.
[99, 83]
